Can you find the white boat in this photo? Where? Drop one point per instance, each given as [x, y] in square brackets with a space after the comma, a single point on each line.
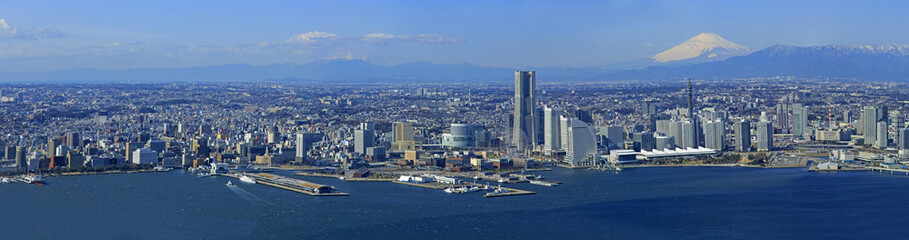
[247, 179]
[4, 180]
[543, 183]
[476, 177]
[449, 190]
[32, 179]
[229, 184]
[204, 175]
[501, 180]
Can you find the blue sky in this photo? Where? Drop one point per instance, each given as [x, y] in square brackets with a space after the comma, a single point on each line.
[53, 35]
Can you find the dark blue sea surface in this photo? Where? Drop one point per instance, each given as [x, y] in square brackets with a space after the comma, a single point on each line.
[642, 203]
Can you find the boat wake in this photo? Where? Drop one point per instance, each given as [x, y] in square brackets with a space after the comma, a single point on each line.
[249, 196]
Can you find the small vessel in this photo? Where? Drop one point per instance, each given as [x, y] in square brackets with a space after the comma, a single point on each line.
[476, 177]
[501, 180]
[230, 184]
[543, 183]
[201, 175]
[33, 179]
[342, 178]
[248, 179]
[5, 180]
[449, 190]
[487, 188]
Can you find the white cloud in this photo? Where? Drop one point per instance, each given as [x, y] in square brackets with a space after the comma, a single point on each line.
[10, 31]
[311, 37]
[423, 37]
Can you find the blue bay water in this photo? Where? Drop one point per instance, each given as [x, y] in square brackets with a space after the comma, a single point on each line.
[645, 203]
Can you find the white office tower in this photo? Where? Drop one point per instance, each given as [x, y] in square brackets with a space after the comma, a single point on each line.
[742, 136]
[563, 131]
[665, 142]
[764, 117]
[524, 132]
[552, 136]
[715, 135]
[582, 145]
[764, 134]
[690, 134]
[799, 121]
[364, 137]
[881, 141]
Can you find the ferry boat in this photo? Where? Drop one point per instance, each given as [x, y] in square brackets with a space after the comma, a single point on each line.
[33, 179]
[543, 183]
[449, 190]
[247, 179]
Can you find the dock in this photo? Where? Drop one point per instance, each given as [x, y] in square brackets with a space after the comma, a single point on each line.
[342, 177]
[291, 184]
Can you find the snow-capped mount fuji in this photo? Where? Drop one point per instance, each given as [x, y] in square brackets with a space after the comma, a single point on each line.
[704, 47]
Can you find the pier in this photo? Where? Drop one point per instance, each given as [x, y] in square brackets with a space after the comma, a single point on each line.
[291, 184]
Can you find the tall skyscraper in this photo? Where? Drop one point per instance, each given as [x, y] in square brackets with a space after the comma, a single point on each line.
[799, 120]
[715, 135]
[742, 136]
[782, 117]
[764, 136]
[882, 138]
[581, 147]
[551, 129]
[871, 115]
[73, 140]
[364, 137]
[692, 128]
[524, 131]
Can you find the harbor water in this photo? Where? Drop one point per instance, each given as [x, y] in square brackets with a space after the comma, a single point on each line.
[641, 203]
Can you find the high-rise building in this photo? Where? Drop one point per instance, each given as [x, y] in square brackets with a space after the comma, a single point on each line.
[715, 134]
[403, 136]
[52, 146]
[304, 144]
[644, 141]
[465, 135]
[73, 140]
[584, 114]
[613, 137]
[20, 158]
[9, 153]
[904, 138]
[799, 120]
[882, 138]
[524, 131]
[665, 142]
[692, 128]
[764, 135]
[551, 130]
[564, 125]
[871, 115]
[742, 136]
[273, 135]
[782, 117]
[581, 147]
[690, 134]
[364, 137]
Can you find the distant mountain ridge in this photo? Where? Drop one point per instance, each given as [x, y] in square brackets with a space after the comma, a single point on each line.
[704, 47]
[340, 71]
[860, 62]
